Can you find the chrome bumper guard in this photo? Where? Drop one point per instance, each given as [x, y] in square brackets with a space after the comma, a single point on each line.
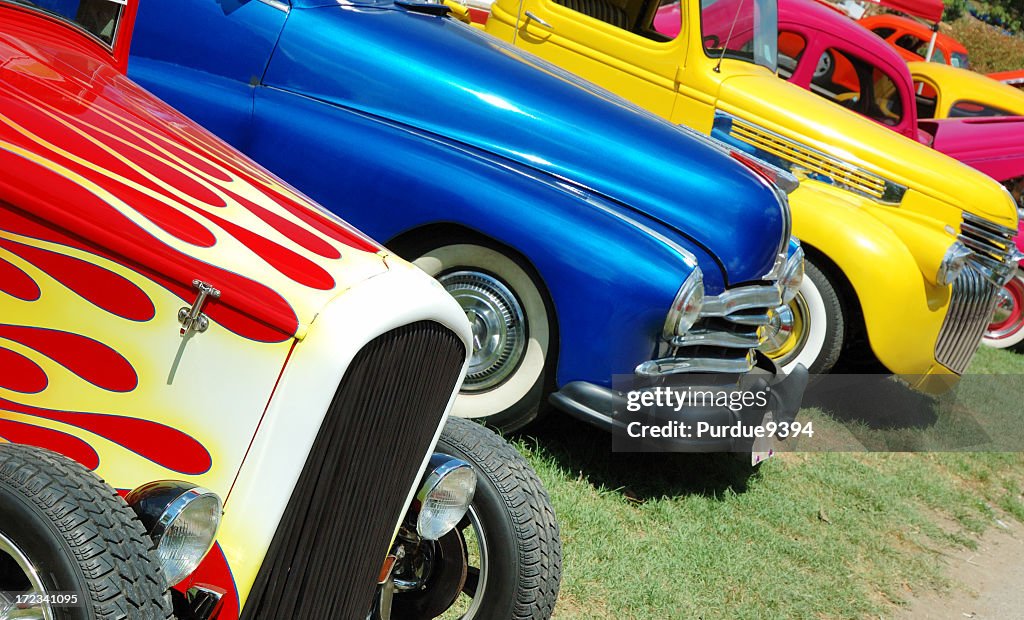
[725, 338]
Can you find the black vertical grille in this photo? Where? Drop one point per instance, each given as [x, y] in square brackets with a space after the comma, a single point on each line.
[334, 536]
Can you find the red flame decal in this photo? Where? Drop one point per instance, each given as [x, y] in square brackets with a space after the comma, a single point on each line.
[165, 446]
[20, 374]
[68, 445]
[91, 360]
[302, 270]
[291, 230]
[17, 283]
[106, 289]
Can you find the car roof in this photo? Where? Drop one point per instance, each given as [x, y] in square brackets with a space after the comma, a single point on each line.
[914, 27]
[964, 84]
[817, 16]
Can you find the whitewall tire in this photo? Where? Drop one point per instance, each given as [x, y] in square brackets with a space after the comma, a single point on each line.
[1007, 326]
[511, 331]
[810, 329]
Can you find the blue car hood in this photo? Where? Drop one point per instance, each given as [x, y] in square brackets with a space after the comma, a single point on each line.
[441, 76]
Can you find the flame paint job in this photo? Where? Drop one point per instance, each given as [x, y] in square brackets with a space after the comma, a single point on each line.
[111, 203]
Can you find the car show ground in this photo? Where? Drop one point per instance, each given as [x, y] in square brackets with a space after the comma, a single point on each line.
[985, 579]
[808, 535]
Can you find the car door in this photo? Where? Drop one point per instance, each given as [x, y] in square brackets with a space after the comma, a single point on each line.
[627, 46]
[206, 57]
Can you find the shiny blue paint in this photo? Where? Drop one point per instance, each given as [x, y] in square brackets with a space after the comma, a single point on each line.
[398, 120]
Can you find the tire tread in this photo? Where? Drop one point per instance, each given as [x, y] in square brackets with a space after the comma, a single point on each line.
[115, 555]
[537, 533]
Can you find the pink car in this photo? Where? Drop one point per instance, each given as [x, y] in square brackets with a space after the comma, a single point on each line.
[825, 52]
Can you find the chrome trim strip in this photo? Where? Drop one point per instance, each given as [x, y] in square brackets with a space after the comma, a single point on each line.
[677, 365]
[892, 192]
[714, 338]
[757, 318]
[278, 4]
[739, 299]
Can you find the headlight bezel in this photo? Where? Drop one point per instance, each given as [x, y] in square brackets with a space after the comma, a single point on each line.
[792, 275]
[442, 469]
[686, 306]
[953, 262]
[160, 506]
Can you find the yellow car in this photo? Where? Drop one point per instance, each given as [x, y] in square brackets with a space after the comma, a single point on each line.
[948, 92]
[888, 225]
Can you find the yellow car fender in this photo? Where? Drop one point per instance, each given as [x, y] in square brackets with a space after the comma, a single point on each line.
[898, 304]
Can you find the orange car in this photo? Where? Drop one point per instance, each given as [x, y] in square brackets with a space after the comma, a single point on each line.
[911, 39]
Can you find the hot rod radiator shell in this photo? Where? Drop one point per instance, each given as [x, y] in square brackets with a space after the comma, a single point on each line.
[336, 530]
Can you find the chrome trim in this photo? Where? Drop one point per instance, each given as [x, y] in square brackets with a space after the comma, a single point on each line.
[175, 509]
[284, 7]
[890, 192]
[676, 365]
[692, 286]
[743, 298]
[203, 602]
[440, 466]
[714, 338]
[994, 252]
[971, 305]
[751, 318]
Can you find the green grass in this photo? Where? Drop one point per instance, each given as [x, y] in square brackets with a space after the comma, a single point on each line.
[809, 535]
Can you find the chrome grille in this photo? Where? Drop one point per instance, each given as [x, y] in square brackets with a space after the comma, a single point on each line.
[794, 157]
[725, 338]
[995, 254]
[970, 310]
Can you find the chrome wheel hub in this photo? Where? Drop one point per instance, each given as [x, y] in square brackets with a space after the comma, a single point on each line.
[498, 324]
[786, 333]
[21, 579]
[1004, 306]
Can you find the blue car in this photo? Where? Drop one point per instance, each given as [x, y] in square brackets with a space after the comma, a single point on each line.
[583, 237]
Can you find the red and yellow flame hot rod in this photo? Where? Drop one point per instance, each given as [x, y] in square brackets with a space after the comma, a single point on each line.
[261, 385]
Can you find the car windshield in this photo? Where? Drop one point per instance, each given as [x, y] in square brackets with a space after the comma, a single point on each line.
[97, 18]
[959, 60]
[742, 29]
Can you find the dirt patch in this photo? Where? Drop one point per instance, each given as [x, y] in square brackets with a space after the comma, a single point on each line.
[988, 582]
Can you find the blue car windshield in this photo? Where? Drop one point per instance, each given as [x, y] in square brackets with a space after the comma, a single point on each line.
[98, 18]
[741, 29]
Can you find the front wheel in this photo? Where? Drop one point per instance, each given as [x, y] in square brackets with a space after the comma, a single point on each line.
[509, 315]
[1007, 326]
[70, 548]
[810, 329]
[510, 538]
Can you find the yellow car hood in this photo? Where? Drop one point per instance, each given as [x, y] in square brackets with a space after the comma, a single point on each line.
[806, 118]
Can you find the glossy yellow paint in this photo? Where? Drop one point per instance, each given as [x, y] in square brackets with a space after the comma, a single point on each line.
[888, 252]
[952, 85]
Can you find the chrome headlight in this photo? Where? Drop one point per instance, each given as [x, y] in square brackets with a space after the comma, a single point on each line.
[445, 496]
[952, 263]
[182, 519]
[792, 275]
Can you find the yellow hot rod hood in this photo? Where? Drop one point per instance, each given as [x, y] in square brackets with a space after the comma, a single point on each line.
[806, 119]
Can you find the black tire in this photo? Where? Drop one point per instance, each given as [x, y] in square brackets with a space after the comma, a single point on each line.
[524, 545]
[81, 537]
[823, 319]
[516, 400]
